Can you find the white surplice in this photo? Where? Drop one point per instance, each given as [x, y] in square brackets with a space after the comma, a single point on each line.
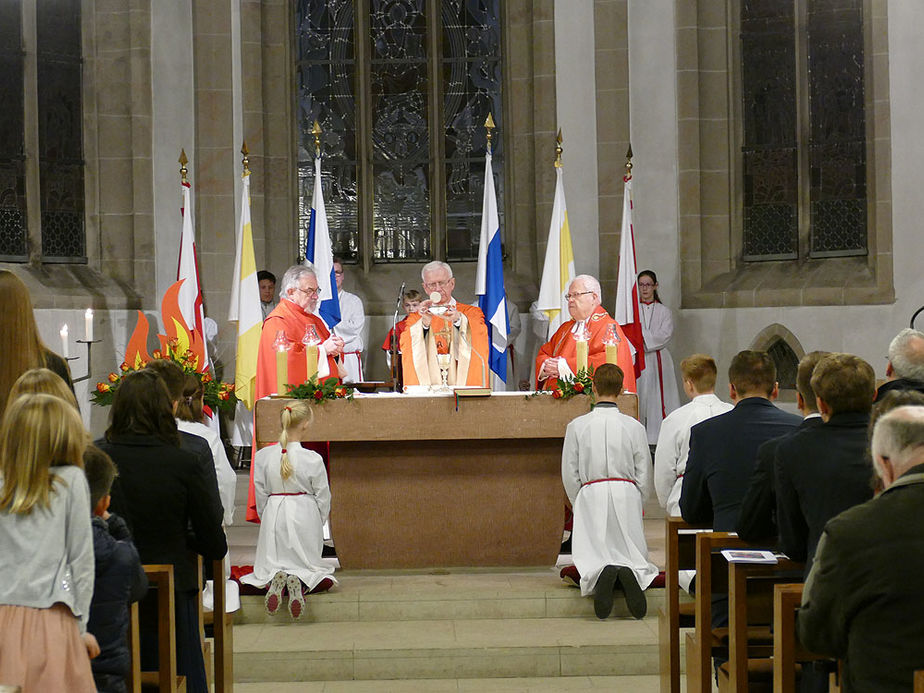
[674, 447]
[607, 444]
[292, 516]
[350, 329]
[224, 473]
[657, 385]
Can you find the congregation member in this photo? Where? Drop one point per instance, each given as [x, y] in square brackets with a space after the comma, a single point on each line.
[723, 449]
[266, 281]
[299, 296]
[905, 370]
[410, 302]
[862, 602]
[20, 344]
[293, 501]
[442, 325]
[698, 373]
[605, 468]
[657, 386]
[350, 328]
[46, 573]
[558, 357]
[757, 516]
[823, 470]
[120, 578]
[44, 381]
[170, 503]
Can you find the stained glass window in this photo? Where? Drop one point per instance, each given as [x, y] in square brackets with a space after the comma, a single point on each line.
[793, 151]
[12, 159]
[402, 110]
[60, 131]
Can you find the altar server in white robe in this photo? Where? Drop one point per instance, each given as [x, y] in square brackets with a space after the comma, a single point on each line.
[605, 467]
[657, 385]
[293, 503]
[699, 374]
[350, 328]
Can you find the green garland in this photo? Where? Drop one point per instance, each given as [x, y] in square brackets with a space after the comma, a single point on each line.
[318, 392]
[565, 388]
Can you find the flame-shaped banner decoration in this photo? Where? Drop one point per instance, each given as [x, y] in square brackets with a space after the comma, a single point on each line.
[136, 352]
[179, 338]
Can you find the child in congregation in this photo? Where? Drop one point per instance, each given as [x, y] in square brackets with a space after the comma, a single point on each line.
[293, 502]
[46, 575]
[411, 302]
[120, 578]
[42, 380]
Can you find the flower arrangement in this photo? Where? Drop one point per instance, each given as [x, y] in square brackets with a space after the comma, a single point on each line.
[216, 394]
[318, 392]
[581, 383]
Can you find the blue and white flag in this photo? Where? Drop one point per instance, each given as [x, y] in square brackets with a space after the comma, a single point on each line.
[489, 277]
[318, 252]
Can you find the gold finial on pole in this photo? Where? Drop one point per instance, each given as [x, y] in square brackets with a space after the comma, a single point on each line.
[183, 170]
[628, 175]
[489, 125]
[558, 150]
[245, 160]
[316, 131]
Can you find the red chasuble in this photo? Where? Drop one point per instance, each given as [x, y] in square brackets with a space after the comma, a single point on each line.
[563, 344]
[418, 355]
[292, 320]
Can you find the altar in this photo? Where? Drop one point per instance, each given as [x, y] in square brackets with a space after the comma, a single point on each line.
[436, 481]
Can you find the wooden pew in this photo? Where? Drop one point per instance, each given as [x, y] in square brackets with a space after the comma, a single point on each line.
[750, 612]
[680, 550]
[165, 679]
[218, 655]
[919, 681]
[787, 650]
[134, 649]
[711, 575]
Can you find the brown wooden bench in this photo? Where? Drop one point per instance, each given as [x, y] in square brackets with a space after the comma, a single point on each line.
[165, 678]
[680, 554]
[218, 654]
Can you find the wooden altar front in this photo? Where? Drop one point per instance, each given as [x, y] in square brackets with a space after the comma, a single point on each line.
[424, 481]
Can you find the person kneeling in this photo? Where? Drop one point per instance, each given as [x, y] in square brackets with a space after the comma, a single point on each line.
[604, 467]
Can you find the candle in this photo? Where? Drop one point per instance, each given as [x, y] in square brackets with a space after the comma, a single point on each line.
[64, 347]
[88, 325]
[311, 360]
[581, 355]
[282, 371]
[611, 352]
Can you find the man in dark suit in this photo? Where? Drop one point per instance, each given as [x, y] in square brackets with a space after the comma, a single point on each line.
[906, 363]
[863, 599]
[822, 471]
[757, 516]
[723, 449]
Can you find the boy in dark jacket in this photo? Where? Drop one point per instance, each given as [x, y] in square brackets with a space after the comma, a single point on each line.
[120, 579]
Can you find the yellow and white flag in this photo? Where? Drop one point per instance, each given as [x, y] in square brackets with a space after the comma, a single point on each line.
[558, 270]
[245, 304]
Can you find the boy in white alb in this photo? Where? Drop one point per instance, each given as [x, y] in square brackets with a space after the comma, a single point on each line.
[604, 468]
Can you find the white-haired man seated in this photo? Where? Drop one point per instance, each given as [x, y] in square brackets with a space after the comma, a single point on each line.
[906, 363]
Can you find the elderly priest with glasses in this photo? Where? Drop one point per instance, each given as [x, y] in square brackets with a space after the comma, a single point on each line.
[443, 330]
[590, 323]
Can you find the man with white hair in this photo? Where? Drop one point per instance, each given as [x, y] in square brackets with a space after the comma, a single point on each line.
[906, 363]
[558, 357]
[443, 326]
[863, 601]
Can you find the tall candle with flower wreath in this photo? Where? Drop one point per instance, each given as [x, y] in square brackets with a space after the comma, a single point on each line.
[281, 344]
[581, 349]
[611, 342]
[311, 340]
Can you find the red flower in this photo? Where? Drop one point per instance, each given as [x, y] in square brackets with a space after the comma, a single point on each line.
[556, 394]
[318, 395]
[579, 387]
[102, 388]
[113, 377]
[340, 392]
[206, 377]
[157, 354]
[125, 368]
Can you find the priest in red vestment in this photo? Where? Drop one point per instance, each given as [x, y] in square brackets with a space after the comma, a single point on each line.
[299, 296]
[441, 327]
[558, 357]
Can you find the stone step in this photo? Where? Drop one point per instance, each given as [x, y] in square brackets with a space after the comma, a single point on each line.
[371, 596]
[445, 649]
[550, 684]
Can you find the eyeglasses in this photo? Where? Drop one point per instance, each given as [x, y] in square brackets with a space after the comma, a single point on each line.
[437, 285]
[309, 292]
[574, 297]
[645, 284]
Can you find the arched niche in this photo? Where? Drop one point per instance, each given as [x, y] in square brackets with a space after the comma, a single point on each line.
[786, 351]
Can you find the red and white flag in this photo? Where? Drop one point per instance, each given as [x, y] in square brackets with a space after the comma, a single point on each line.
[190, 297]
[627, 308]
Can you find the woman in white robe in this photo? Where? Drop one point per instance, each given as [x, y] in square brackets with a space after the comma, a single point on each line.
[657, 384]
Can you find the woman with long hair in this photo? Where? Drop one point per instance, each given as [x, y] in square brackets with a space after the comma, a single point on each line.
[162, 491]
[657, 385]
[46, 574]
[21, 348]
[42, 381]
